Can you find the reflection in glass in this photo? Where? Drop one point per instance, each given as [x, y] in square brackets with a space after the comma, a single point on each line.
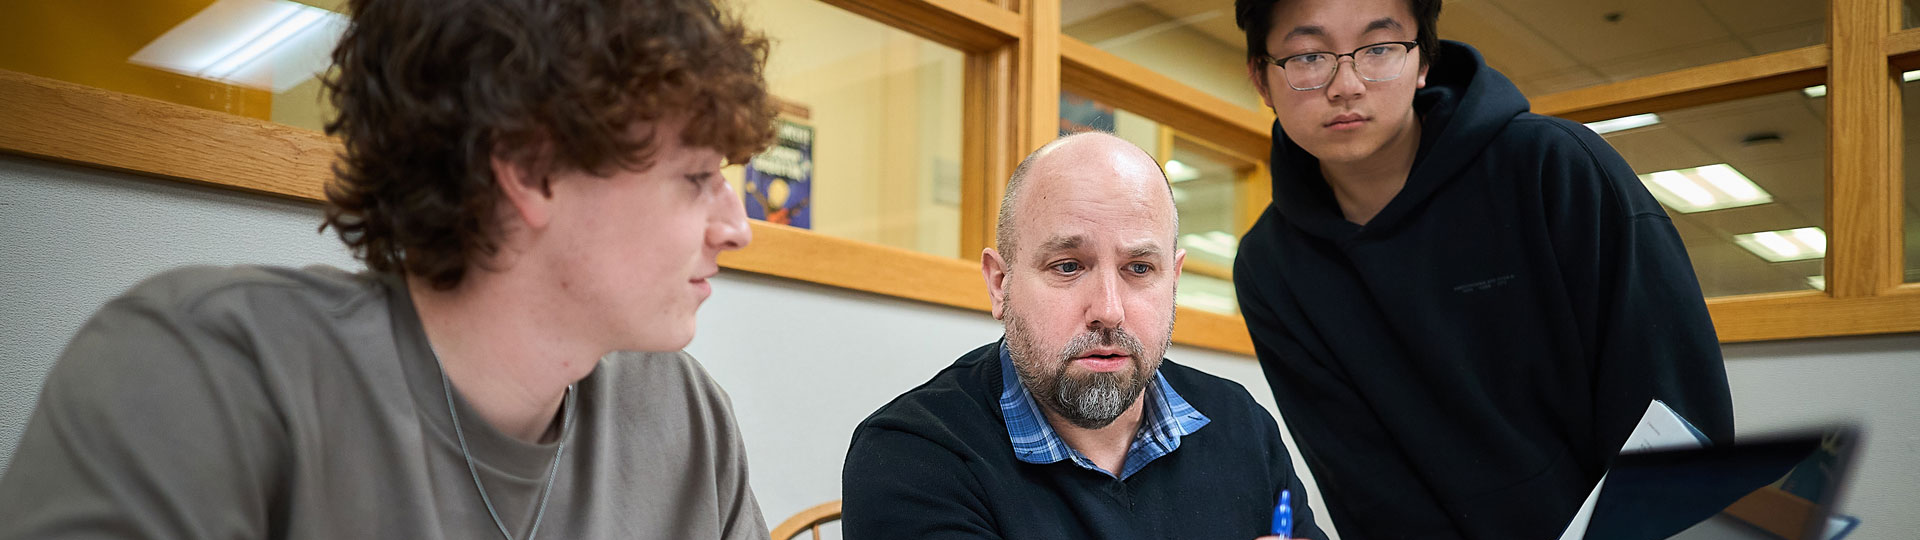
[270, 45]
[1209, 187]
[1910, 165]
[1195, 43]
[252, 58]
[1744, 183]
[870, 117]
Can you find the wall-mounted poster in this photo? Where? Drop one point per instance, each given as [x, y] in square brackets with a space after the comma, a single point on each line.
[779, 181]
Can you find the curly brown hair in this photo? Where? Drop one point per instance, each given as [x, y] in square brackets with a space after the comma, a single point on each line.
[428, 91]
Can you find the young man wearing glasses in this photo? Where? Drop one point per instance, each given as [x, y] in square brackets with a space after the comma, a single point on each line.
[1463, 308]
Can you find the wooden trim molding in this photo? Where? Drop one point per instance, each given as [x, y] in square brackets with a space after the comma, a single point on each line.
[1860, 216]
[1743, 78]
[988, 147]
[1252, 194]
[779, 250]
[1227, 333]
[1101, 75]
[56, 120]
[970, 25]
[1040, 77]
[1810, 314]
[1903, 42]
[62, 121]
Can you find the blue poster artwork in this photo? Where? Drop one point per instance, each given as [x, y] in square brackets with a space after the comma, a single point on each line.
[779, 181]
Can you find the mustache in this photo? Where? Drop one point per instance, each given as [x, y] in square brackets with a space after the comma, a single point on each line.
[1104, 337]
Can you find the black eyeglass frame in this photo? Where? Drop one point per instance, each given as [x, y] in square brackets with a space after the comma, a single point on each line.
[1282, 64]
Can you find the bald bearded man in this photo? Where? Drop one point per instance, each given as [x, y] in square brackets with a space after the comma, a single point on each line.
[1074, 425]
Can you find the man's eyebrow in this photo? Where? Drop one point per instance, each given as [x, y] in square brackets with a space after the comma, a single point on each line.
[1383, 23]
[1061, 243]
[1143, 251]
[1303, 31]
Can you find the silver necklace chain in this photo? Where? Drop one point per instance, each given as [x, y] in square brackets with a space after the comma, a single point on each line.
[566, 428]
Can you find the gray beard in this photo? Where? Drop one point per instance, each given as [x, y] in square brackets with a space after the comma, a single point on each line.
[1096, 402]
[1090, 402]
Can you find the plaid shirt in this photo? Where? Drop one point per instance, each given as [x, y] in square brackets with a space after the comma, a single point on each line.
[1165, 418]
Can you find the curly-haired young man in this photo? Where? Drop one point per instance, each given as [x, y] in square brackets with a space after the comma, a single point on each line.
[535, 188]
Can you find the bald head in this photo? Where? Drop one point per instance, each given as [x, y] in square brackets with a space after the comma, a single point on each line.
[1091, 156]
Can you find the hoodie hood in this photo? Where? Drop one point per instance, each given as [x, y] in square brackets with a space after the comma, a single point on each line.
[1463, 107]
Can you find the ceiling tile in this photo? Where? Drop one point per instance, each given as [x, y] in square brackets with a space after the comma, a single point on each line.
[1679, 56]
[1645, 28]
[1751, 17]
[1659, 148]
[1787, 38]
[1508, 45]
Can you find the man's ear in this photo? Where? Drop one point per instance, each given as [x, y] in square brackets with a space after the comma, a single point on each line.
[1179, 263]
[994, 269]
[1257, 72]
[524, 186]
[1422, 81]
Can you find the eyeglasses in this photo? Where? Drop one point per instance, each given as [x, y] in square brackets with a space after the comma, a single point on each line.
[1379, 62]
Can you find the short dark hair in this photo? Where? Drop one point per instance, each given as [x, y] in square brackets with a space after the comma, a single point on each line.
[429, 91]
[1255, 18]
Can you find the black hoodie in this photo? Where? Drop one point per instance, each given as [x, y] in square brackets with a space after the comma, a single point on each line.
[1466, 364]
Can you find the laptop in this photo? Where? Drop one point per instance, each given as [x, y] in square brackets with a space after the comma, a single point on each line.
[1778, 488]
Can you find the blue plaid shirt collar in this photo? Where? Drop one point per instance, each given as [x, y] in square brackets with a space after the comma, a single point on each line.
[1166, 418]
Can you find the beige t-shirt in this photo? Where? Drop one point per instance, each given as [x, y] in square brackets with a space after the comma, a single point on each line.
[254, 402]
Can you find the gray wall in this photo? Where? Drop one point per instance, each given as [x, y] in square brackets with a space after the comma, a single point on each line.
[71, 238]
[803, 362]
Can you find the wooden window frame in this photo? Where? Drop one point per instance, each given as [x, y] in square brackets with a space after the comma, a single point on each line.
[1017, 62]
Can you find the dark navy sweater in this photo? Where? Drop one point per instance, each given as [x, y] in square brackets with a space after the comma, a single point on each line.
[1467, 363]
[936, 464]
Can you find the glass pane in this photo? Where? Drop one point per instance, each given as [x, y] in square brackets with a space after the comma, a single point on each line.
[1745, 184]
[1208, 187]
[1910, 164]
[1549, 46]
[1195, 43]
[252, 58]
[870, 129]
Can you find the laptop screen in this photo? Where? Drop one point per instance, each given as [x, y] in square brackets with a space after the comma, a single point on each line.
[1780, 489]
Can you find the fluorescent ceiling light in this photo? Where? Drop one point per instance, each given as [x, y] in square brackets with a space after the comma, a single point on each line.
[1217, 243]
[1790, 245]
[297, 20]
[1699, 189]
[1820, 90]
[1623, 123]
[1180, 172]
[263, 44]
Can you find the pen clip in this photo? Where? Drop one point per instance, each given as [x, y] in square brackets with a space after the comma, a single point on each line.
[1283, 515]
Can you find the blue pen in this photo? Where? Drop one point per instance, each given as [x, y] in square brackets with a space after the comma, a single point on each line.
[1283, 515]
